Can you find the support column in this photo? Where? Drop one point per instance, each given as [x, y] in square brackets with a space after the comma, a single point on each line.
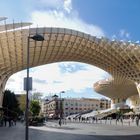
[1, 98]
[138, 88]
[118, 103]
[135, 102]
[2, 87]
[1, 95]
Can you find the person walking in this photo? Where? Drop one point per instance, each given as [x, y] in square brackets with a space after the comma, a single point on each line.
[5, 121]
[15, 121]
[10, 121]
[117, 119]
[121, 119]
[137, 120]
[60, 122]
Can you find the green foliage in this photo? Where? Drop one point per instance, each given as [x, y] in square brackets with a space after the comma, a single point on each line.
[22, 101]
[35, 107]
[10, 104]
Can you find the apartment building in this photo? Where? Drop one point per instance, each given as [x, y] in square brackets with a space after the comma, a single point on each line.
[57, 107]
[74, 105]
[52, 108]
[105, 103]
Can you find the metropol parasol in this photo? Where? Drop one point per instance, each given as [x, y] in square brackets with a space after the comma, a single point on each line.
[118, 58]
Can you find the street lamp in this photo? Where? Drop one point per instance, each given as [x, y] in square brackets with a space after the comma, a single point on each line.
[36, 37]
[61, 108]
[60, 93]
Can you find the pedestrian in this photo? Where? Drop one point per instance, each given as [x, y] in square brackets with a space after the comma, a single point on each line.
[15, 121]
[121, 119]
[117, 119]
[96, 119]
[1, 121]
[79, 118]
[110, 119]
[93, 119]
[65, 121]
[9, 120]
[5, 120]
[60, 122]
[137, 120]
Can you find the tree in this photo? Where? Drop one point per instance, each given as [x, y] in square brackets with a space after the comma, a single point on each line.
[10, 104]
[35, 107]
[22, 102]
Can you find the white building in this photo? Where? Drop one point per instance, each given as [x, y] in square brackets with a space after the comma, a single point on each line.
[73, 105]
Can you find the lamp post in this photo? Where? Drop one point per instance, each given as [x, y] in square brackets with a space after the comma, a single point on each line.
[60, 93]
[61, 108]
[36, 37]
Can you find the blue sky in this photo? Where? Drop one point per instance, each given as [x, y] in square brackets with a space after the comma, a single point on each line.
[114, 19]
[112, 16]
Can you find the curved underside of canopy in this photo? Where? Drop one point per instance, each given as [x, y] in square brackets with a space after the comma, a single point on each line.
[120, 59]
[113, 89]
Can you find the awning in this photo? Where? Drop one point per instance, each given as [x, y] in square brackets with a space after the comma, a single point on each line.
[129, 113]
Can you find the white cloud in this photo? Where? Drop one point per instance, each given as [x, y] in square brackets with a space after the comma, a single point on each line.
[51, 73]
[64, 16]
[68, 5]
[17, 84]
[58, 4]
[60, 19]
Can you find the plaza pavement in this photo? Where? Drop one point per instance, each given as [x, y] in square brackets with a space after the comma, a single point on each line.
[71, 131]
[94, 129]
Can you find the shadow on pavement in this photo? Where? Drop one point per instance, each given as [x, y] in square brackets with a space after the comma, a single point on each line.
[18, 133]
[45, 135]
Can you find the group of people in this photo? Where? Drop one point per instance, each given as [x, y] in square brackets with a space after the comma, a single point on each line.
[83, 119]
[4, 120]
[119, 118]
[131, 119]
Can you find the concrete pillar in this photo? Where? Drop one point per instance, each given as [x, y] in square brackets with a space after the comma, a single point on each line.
[2, 87]
[118, 103]
[135, 102]
[1, 98]
[138, 88]
[1, 95]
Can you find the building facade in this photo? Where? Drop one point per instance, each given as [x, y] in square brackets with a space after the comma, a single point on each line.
[57, 107]
[73, 105]
[105, 104]
[52, 108]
